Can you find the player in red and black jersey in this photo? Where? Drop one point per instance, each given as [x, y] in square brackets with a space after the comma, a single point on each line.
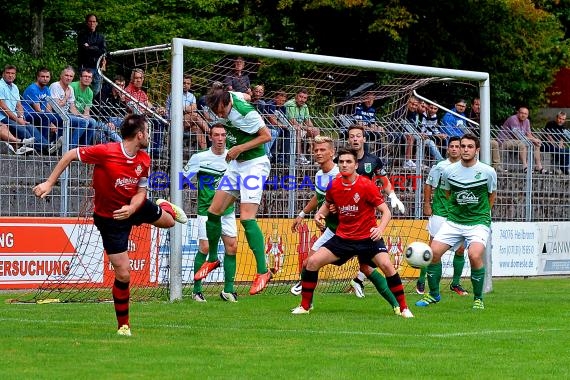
[356, 199]
[120, 179]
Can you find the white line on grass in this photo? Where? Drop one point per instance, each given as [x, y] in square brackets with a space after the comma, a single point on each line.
[297, 331]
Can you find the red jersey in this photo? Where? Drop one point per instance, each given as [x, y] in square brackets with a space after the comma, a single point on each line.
[116, 176]
[139, 95]
[356, 204]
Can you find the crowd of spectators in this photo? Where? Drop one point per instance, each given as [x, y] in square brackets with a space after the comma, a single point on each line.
[29, 123]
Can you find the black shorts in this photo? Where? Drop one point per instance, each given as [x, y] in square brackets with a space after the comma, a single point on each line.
[346, 249]
[115, 233]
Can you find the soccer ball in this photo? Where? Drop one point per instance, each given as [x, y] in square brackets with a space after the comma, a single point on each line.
[418, 254]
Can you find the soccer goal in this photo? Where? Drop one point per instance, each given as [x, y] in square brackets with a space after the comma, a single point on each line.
[163, 260]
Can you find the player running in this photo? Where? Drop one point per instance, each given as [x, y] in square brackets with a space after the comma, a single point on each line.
[357, 199]
[246, 134]
[436, 209]
[120, 180]
[323, 150]
[471, 188]
[209, 167]
[372, 167]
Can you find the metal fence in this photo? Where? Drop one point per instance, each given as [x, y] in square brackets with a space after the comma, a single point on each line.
[521, 196]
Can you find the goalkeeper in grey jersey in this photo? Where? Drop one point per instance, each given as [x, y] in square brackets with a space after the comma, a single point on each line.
[471, 188]
[208, 167]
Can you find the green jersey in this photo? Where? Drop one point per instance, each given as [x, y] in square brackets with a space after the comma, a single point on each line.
[83, 98]
[469, 188]
[322, 183]
[439, 200]
[242, 125]
[208, 168]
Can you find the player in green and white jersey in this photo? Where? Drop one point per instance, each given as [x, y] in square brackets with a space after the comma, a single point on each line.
[248, 168]
[208, 167]
[436, 209]
[471, 188]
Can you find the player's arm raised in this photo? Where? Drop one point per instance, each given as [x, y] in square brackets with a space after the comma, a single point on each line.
[44, 188]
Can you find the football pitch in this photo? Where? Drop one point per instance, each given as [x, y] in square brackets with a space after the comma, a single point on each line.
[524, 332]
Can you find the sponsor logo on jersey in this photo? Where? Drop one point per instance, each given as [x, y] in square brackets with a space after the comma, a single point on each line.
[138, 170]
[466, 197]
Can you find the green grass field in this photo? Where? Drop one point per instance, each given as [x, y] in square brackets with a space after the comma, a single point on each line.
[523, 333]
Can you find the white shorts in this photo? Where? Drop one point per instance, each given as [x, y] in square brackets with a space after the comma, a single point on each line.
[434, 224]
[452, 233]
[229, 227]
[323, 239]
[245, 180]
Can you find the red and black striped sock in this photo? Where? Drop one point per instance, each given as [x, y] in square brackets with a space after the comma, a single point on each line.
[309, 281]
[121, 295]
[396, 287]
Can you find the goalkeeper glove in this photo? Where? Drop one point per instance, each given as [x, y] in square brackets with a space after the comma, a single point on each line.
[396, 203]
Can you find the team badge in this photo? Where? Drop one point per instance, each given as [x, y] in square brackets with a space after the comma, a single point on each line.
[367, 167]
[138, 170]
[478, 175]
[356, 198]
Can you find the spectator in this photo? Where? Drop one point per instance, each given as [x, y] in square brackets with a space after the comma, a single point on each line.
[90, 46]
[299, 117]
[277, 122]
[84, 102]
[557, 142]
[13, 144]
[141, 105]
[38, 111]
[433, 137]
[12, 111]
[192, 120]
[261, 106]
[513, 134]
[365, 115]
[238, 81]
[475, 115]
[111, 105]
[64, 96]
[412, 123]
[454, 125]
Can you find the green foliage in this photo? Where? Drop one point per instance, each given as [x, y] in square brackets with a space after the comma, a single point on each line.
[521, 43]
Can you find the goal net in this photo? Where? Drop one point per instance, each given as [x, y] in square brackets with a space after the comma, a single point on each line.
[162, 261]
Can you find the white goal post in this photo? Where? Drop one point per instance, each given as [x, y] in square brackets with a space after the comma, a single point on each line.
[176, 130]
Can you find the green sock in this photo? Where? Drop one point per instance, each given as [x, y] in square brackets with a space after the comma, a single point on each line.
[256, 242]
[422, 276]
[214, 232]
[382, 287]
[434, 277]
[229, 272]
[199, 259]
[477, 280]
[458, 264]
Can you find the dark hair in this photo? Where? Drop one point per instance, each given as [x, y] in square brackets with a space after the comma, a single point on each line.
[303, 90]
[217, 125]
[91, 15]
[470, 136]
[132, 125]
[216, 97]
[119, 78]
[356, 126]
[42, 69]
[280, 93]
[86, 70]
[453, 138]
[187, 76]
[346, 150]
